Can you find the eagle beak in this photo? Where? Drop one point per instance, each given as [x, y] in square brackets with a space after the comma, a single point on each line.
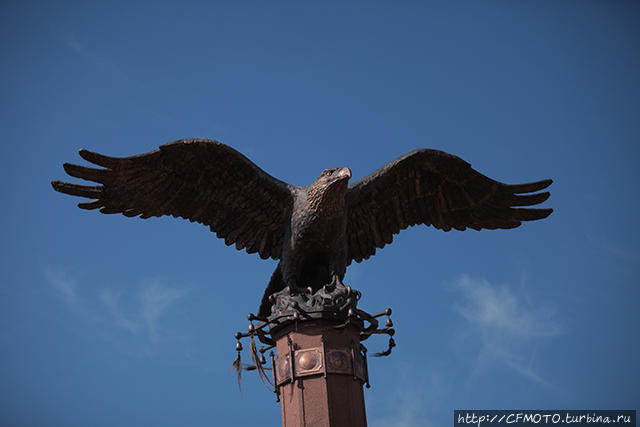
[344, 173]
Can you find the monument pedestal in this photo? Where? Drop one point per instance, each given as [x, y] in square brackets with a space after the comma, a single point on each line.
[319, 374]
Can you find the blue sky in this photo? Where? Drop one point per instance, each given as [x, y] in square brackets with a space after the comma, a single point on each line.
[114, 321]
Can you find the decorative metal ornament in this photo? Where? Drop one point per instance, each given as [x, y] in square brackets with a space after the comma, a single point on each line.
[333, 302]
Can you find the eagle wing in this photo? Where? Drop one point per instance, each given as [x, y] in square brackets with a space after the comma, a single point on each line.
[432, 187]
[196, 179]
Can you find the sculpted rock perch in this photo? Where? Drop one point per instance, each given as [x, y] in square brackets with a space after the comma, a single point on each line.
[315, 231]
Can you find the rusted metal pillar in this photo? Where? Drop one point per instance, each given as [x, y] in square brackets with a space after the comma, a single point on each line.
[320, 366]
[320, 372]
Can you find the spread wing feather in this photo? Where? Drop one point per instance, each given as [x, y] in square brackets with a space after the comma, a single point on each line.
[432, 187]
[196, 179]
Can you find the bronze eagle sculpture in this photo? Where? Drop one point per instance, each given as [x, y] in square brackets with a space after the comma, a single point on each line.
[315, 231]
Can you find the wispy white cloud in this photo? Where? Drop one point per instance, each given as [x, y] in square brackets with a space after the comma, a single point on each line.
[101, 62]
[133, 320]
[406, 413]
[613, 249]
[608, 245]
[498, 308]
[154, 300]
[110, 70]
[64, 287]
[508, 328]
[405, 403]
[524, 369]
[78, 47]
[111, 300]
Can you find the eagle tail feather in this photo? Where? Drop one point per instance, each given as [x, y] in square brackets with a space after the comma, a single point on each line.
[275, 284]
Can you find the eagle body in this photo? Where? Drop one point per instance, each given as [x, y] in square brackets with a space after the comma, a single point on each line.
[315, 231]
[316, 247]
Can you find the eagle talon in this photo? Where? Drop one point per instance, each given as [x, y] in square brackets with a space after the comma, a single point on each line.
[297, 290]
[336, 281]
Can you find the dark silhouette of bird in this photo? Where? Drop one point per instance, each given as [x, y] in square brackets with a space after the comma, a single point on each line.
[315, 231]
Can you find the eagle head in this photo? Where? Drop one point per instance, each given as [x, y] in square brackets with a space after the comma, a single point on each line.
[328, 191]
[334, 180]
